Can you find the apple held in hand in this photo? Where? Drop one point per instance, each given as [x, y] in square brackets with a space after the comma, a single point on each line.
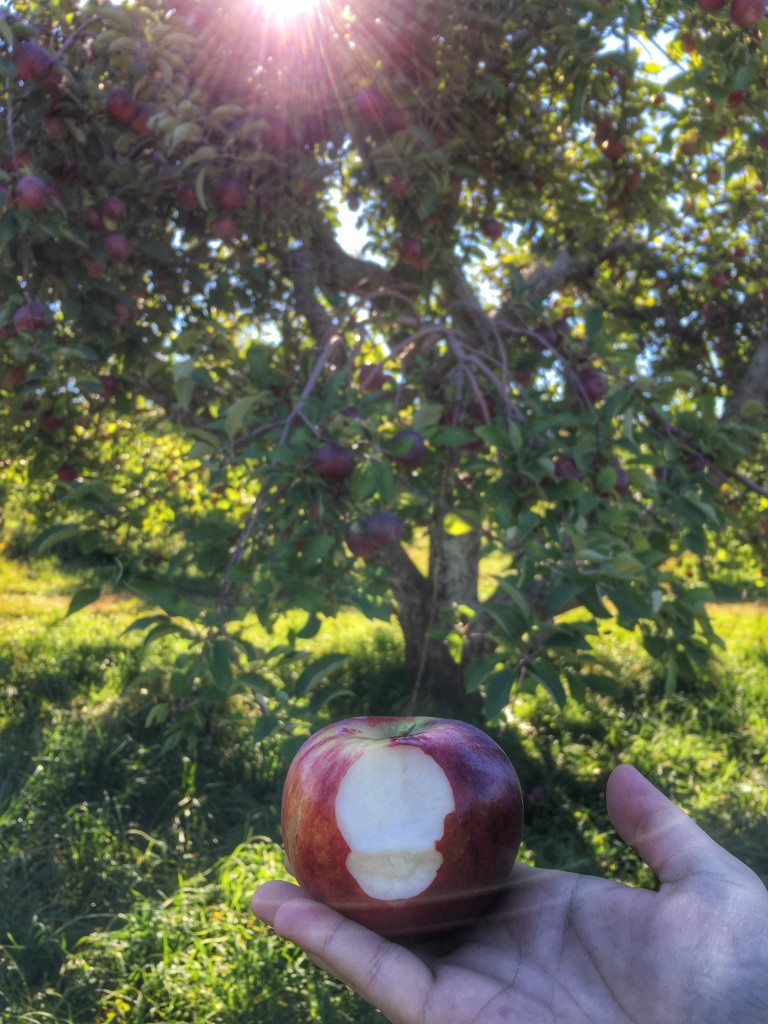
[409, 826]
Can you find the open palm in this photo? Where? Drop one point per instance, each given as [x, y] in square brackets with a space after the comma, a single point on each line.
[568, 948]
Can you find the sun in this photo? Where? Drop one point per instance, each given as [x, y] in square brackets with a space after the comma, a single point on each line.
[286, 10]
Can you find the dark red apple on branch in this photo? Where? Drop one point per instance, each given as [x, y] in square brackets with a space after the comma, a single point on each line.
[566, 469]
[230, 194]
[121, 106]
[114, 209]
[117, 246]
[592, 384]
[67, 473]
[747, 13]
[31, 193]
[358, 541]
[334, 462]
[409, 449]
[491, 228]
[33, 63]
[410, 826]
[30, 317]
[384, 529]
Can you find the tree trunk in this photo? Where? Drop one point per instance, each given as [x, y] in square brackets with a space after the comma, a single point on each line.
[754, 384]
[427, 611]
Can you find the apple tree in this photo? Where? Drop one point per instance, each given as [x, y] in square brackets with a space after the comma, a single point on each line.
[337, 308]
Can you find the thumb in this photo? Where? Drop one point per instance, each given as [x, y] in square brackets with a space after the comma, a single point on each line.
[669, 842]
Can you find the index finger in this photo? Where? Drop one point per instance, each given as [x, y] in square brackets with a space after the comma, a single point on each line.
[388, 975]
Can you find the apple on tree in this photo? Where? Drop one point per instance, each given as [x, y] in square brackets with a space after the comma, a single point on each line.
[410, 826]
[30, 317]
[31, 193]
[33, 63]
[334, 462]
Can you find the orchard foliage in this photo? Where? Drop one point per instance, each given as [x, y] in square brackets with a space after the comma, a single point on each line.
[545, 346]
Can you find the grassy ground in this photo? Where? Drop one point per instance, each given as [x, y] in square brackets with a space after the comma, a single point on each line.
[126, 868]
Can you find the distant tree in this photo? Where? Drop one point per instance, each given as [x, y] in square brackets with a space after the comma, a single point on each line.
[546, 345]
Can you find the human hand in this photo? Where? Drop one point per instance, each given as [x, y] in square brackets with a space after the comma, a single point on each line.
[564, 948]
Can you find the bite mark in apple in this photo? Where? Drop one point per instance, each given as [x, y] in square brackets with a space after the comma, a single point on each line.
[405, 798]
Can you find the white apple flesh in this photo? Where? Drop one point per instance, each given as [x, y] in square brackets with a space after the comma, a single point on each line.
[390, 809]
[407, 825]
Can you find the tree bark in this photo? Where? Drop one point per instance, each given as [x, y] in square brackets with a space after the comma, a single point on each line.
[426, 611]
[753, 386]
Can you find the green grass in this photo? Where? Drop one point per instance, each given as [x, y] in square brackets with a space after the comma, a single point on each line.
[126, 867]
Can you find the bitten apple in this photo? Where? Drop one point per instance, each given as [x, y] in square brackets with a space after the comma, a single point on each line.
[410, 826]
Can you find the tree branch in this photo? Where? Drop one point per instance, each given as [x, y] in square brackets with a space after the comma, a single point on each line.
[543, 279]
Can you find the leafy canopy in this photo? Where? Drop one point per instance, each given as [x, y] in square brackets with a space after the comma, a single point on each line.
[543, 343]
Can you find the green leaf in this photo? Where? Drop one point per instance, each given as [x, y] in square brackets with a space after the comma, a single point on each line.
[562, 595]
[322, 698]
[455, 643]
[318, 670]
[364, 482]
[593, 321]
[83, 597]
[519, 599]
[549, 677]
[188, 132]
[158, 714]
[317, 549]
[144, 623]
[670, 676]
[385, 482]
[752, 409]
[453, 437]
[218, 657]
[156, 593]
[199, 156]
[266, 724]
[426, 416]
[743, 77]
[6, 33]
[497, 692]
[593, 602]
[605, 481]
[237, 414]
[310, 628]
[165, 627]
[455, 526]
[625, 564]
[54, 535]
[511, 624]
[478, 671]
[631, 606]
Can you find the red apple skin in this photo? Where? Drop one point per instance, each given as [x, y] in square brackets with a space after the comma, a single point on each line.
[121, 106]
[117, 246]
[491, 228]
[30, 317]
[230, 194]
[747, 13]
[33, 63]
[114, 208]
[358, 542]
[334, 462]
[481, 836]
[67, 473]
[31, 193]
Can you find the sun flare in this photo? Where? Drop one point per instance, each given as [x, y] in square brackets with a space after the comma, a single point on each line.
[286, 10]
